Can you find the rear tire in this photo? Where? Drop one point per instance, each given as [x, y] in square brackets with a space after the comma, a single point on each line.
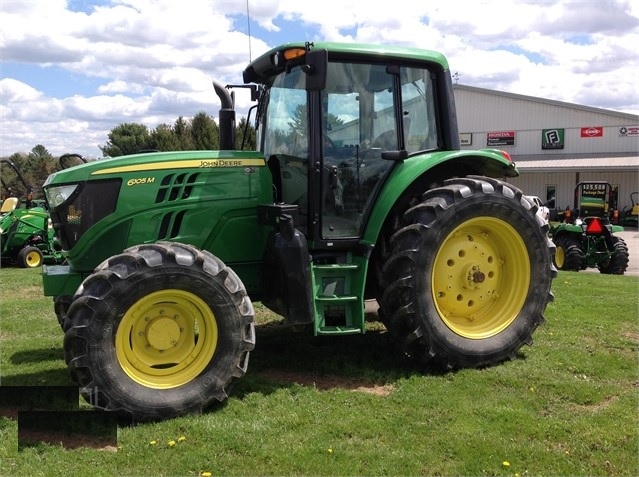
[569, 256]
[61, 306]
[159, 331]
[30, 257]
[618, 263]
[469, 275]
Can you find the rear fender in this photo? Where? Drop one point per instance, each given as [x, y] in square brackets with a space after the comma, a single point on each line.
[418, 173]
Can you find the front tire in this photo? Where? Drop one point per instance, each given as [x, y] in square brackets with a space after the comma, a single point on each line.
[159, 331]
[469, 275]
[30, 257]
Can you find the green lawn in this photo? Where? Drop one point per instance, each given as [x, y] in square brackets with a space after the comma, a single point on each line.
[350, 406]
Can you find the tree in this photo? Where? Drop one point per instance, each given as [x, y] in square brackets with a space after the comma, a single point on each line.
[204, 132]
[163, 138]
[40, 152]
[182, 130]
[127, 138]
[245, 136]
[37, 167]
[199, 133]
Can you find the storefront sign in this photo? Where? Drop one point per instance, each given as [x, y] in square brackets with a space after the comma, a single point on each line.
[592, 131]
[552, 139]
[500, 138]
[625, 131]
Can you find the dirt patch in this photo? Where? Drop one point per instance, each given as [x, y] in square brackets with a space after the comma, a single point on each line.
[596, 406]
[9, 412]
[327, 382]
[65, 429]
[33, 437]
[631, 335]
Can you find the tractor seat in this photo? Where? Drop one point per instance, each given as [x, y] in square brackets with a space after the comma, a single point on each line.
[9, 204]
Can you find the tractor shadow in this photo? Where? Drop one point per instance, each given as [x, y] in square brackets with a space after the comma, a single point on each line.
[46, 368]
[37, 355]
[367, 363]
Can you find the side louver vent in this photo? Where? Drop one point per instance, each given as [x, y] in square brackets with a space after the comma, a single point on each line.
[176, 187]
[171, 223]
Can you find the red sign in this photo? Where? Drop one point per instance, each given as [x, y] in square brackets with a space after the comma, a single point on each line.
[592, 131]
[500, 138]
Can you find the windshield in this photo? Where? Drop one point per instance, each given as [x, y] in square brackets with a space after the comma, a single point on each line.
[366, 109]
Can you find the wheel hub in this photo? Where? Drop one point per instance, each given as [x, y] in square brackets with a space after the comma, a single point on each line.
[472, 276]
[478, 277]
[163, 333]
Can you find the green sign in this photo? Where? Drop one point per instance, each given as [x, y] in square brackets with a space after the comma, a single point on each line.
[552, 139]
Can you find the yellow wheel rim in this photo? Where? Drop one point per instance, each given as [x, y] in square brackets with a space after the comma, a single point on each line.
[33, 259]
[166, 339]
[481, 277]
[560, 256]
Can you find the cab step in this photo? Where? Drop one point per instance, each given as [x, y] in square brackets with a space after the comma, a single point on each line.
[338, 290]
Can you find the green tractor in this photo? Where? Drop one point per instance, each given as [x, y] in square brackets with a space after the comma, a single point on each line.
[586, 238]
[358, 190]
[27, 238]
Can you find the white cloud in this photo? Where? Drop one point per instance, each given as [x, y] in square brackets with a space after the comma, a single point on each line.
[151, 61]
[13, 91]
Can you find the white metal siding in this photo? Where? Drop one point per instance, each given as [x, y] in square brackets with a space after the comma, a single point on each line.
[483, 111]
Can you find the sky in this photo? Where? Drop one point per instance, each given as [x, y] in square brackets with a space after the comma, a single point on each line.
[72, 70]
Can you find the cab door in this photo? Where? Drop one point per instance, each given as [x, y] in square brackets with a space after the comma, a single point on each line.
[359, 123]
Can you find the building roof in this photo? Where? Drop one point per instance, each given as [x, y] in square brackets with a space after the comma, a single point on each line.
[634, 118]
[557, 163]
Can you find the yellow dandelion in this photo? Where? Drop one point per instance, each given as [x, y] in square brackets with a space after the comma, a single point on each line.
[153, 442]
[181, 439]
[505, 463]
[171, 443]
[330, 451]
[205, 474]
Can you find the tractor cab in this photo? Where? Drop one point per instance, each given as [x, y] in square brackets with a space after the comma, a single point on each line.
[332, 131]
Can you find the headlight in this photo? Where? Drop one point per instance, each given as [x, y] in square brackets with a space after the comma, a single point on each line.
[58, 195]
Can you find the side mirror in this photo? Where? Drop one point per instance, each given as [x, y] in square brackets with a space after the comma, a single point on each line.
[315, 69]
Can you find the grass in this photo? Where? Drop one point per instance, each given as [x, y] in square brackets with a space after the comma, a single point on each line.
[351, 406]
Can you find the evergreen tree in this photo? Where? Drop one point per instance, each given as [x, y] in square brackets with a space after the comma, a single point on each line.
[127, 138]
[245, 136]
[164, 138]
[182, 130]
[204, 132]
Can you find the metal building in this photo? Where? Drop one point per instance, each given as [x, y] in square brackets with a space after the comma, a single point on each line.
[554, 144]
